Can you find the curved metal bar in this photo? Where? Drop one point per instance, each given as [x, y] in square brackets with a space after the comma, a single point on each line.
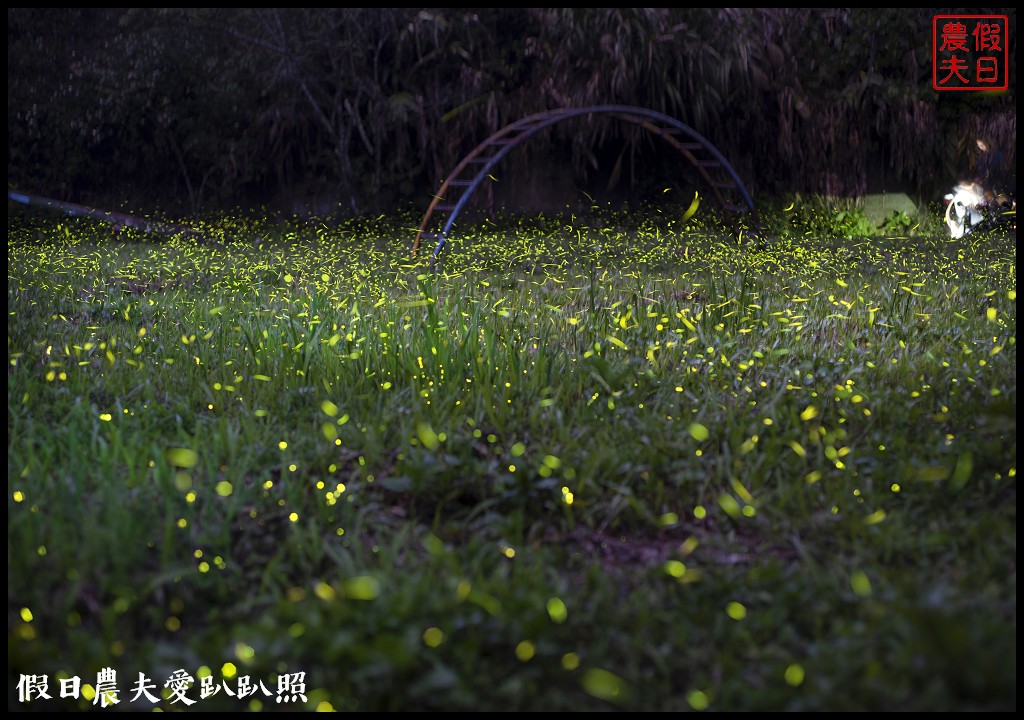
[473, 154]
[514, 134]
[114, 218]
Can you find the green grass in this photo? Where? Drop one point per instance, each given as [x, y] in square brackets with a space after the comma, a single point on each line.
[587, 464]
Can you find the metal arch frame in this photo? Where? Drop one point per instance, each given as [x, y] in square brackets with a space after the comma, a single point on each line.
[726, 186]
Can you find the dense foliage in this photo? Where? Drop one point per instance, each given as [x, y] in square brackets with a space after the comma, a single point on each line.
[357, 109]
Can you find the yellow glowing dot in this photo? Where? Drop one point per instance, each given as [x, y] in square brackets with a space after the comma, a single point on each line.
[675, 568]
[700, 512]
[736, 611]
[809, 413]
[324, 591]
[294, 517]
[669, 518]
[557, 610]
[698, 700]
[364, 587]
[875, 517]
[432, 637]
[794, 675]
[508, 552]
[860, 583]
[19, 496]
[604, 685]
[570, 661]
[26, 615]
[329, 408]
[182, 522]
[204, 567]
[173, 624]
[283, 445]
[525, 650]
[244, 652]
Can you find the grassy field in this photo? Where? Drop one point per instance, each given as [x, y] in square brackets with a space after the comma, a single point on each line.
[588, 464]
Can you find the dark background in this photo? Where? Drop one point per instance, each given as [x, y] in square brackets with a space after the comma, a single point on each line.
[359, 110]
